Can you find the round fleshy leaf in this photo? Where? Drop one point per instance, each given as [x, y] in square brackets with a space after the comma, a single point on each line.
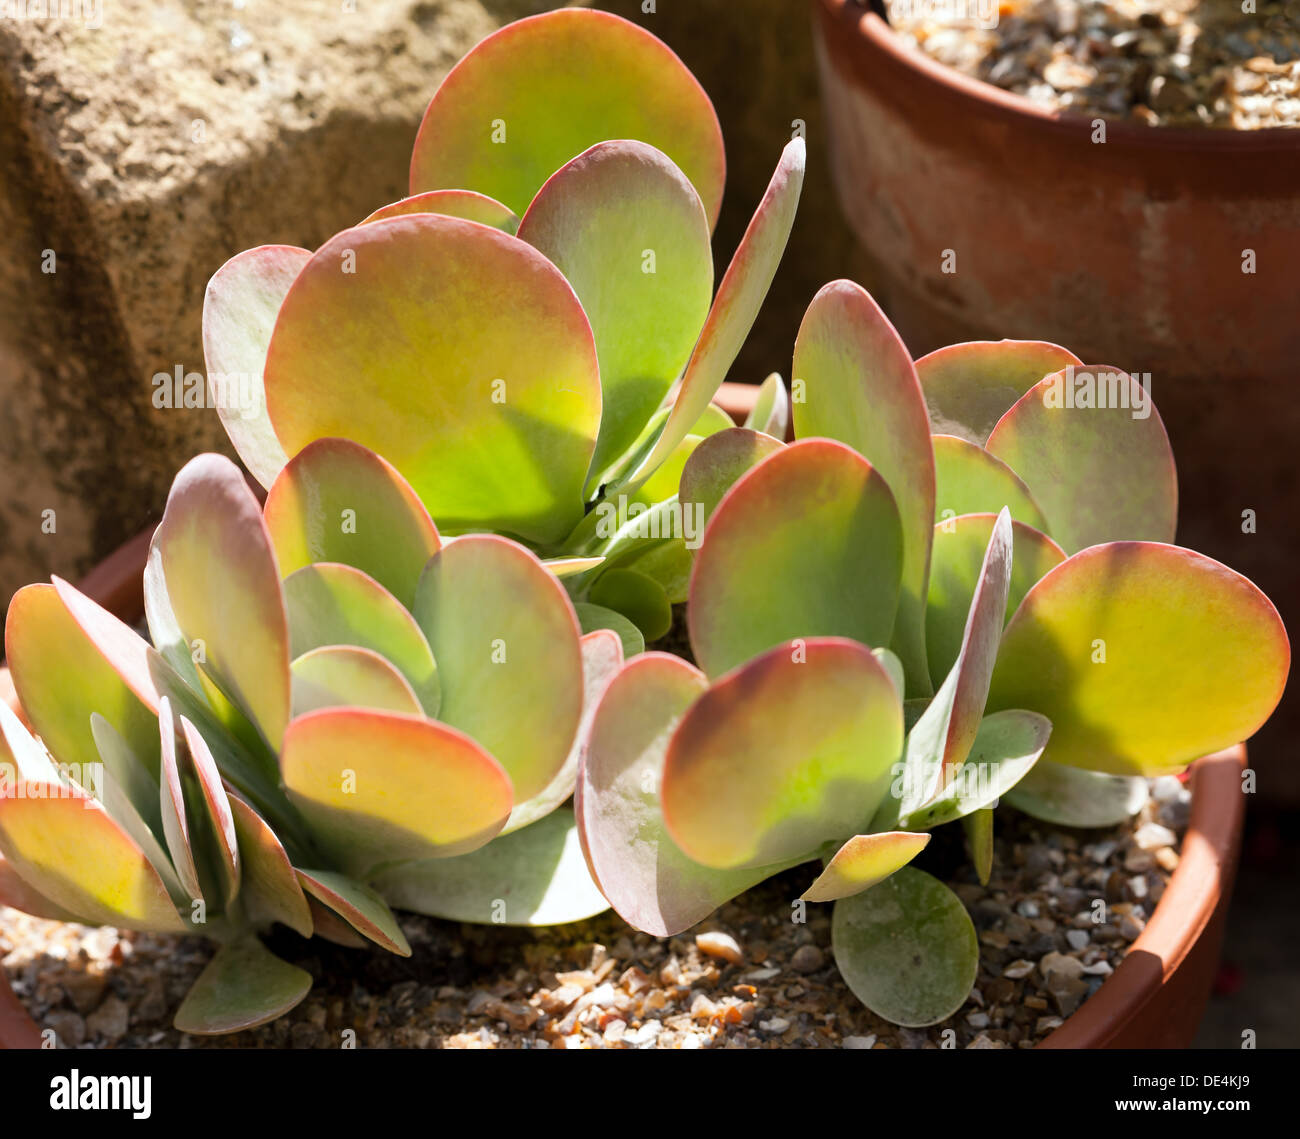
[718, 463]
[358, 906]
[243, 986]
[638, 597]
[333, 604]
[1090, 446]
[959, 546]
[807, 544]
[67, 665]
[21, 756]
[477, 362]
[628, 231]
[570, 567]
[377, 786]
[224, 587]
[464, 204]
[968, 480]
[907, 948]
[1144, 657]
[979, 842]
[181, 841]
[269, 888]
[542, 90]
[860, 388]
[336, 676]
[791, 751]
[594, 617]
[214, 809]
[18, 895]
[646, 877]
[535, 876]
[336, 501]
[863, 861]
[735, 308]
[65, 846]
[242, 301]
[771, 411]
[1072, 797]
[968, 387]
[505, 638]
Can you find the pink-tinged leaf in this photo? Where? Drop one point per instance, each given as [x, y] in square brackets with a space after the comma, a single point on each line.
[1100, 473]
[771, 411]
[336, 501]
[735, 308]
[718, 463]
[175, 818]
[506, 641]
[959, 547]
[22, 758]
[860, 387]
[647, 879]
[69, 664]
[536, 876]
[1073, 797]
[862, 862]
[477, 363]
[969, 387]
[239, 311]
[224, 586]
[329, 926]
[542, 90]
[599, 218]
[243, 986]
[807, 544]
[65, 846]
[333, 604]
[465, 204]
[378, 787]
[570, 567]
[602, 658]
[18, 895]
[791, 751]
[940, 740]
[1144, 657]
[215, 810]
[269, 889]
[358, 905]
[337, 676]
[968, 480]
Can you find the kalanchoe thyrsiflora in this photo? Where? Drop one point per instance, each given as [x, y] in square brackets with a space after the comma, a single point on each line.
[958, 586]
[507, 337]
[339, 710]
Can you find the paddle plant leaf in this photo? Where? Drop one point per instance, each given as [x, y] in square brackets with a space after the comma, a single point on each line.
[336, 501]
[782, 755]
[968, 480]
[640, 598]
[718, 463]
[862, 862]
[269, 888]
[907, 948]
[358, 906]
[1144, 657]
[1072, 797]
[480, 370]
[771, 413]
[806, 544]
[507, 644]
[243, 986]
[628, 231]
[979, 840]
[464, 204]
[334, 676]
[540, 91]
[594, 617]
[1090, 445]
[859, 386]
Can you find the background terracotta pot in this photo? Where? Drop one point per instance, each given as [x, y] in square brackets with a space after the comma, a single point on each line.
[1156, 997]
[1129, 252]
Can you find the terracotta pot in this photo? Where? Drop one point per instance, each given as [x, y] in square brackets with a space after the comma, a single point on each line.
[1129, 252]
[1154, 999]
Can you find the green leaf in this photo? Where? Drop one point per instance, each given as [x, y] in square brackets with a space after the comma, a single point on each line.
[358, 905]
[807, 544]
[530, 97]
[862, 862]
[243, 986]
[771, 413]
[636, 596]
[861, 389]
[969, 480]
[1072, 797]
[979, 838]
[906, 948]
[269, 889]
[628, 231]
[335, 676]
[535, 876]
[718, 463]
[479, 367]
[454, 204]
[786, 753]
[593, 617]
[1144, 657]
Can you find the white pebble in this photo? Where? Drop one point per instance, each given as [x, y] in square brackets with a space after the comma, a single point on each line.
[721, 945]
[1078, 938]
[1152, 836]
[859, 1041]
[777, 1025]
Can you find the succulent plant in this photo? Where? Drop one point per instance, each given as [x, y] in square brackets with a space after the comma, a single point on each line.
[894, 629]
[531, 338]
[299, 748]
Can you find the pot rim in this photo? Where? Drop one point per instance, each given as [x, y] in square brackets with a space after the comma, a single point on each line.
[1185, 910]
[877, 38]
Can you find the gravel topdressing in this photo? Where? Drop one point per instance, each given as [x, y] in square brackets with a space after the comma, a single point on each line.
[1158, 62]
[747, 978]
